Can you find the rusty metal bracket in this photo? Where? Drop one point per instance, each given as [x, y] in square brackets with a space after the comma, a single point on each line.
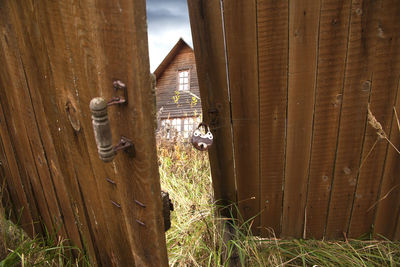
[118, 100]
[126, 145]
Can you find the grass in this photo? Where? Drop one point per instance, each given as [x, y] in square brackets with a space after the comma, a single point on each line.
[198, 237]
[17, 249]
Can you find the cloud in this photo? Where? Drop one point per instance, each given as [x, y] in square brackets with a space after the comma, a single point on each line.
[168, 20]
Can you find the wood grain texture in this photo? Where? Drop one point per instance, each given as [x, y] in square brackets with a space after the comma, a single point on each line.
[208, 41]
[12, 179]
[69, 53]
[387, 208]
[241, 43]
[273, 28]
[124, 40]
[303, 44]
[16, 109]
[357, 86]
[39, 75]
[333, 37]
[386, 71]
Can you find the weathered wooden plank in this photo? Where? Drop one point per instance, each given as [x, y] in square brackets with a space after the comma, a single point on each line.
[54, 98]
[303, 43]
[388, 208]
[10, 199]
[128, 60]
[208, 41]
[333, 36]
[122, 54]
[25, 212]
[43, 151]
[79, 26]
[356, 93]
[15, 111]
[273, 30]
[113, 37]
[386, 71]
[241, 43]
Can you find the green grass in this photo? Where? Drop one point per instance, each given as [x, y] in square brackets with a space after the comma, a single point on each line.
[17, 249]
[200, 238]
[196, 237]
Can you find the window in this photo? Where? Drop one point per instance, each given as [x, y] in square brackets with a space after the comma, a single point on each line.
[180, 126]
[176, 125]
[183, 80]
[189, 126]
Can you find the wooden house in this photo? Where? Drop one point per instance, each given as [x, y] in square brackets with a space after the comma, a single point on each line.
[177, 91]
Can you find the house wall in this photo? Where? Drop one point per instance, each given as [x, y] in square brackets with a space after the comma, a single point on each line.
[175, 103]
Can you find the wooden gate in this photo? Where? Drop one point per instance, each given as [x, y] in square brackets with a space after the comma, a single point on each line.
[286, 87]
[55, 57]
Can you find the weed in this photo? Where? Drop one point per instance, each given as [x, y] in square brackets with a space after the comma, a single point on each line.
[19, 250]
[198, 237]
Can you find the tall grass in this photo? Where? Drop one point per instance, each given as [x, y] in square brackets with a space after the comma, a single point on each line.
[17, 249]
[198, 237]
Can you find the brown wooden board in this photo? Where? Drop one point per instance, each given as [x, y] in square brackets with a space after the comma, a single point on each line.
[357, 86]
[386, 71]
[57, 118]
[303, 44]
[332, 47]
[16, 109]
[69, 53]
[273, 30]
[24, 216]
[387, 205]
[34, 61]
[241, 44]
[123, 35]
[397, 232]
[208, 42]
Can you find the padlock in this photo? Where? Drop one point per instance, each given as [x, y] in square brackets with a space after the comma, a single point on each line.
[202, 141]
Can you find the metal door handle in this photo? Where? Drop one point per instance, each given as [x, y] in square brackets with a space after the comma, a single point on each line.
[102, 132]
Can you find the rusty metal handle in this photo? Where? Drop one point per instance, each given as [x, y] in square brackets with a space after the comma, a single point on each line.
[101, 128]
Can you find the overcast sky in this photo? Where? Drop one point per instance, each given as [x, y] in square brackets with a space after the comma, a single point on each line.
[167, 20]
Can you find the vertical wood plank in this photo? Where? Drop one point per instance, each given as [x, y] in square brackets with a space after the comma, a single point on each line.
[123, 35]
[26, 212]
[388, 210]
[208, 42]
[44, 151]
[16, 109]
[61, 79]
[386, 72]
[241, 42]
[333, 36]
[357, 86]
[55, 100]
[303, 44]
[273, 28]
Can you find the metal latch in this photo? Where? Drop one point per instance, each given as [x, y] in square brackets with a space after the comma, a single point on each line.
[101, 127]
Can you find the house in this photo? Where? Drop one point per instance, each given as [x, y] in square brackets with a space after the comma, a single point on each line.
[177, 91]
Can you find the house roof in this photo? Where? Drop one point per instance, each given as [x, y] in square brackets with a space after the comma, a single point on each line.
[171, 55]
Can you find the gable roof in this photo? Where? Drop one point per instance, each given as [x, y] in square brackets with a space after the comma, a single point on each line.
[171, 55]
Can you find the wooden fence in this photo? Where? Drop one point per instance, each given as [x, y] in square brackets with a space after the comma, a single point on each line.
[55, 57]
[286, 87]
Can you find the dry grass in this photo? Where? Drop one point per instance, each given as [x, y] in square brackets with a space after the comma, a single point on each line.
[196, 239]
[17, 249]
